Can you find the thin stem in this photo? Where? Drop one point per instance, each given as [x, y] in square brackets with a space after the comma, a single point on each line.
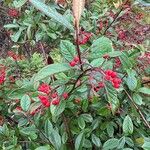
[137, 108]
[115, 18]
[78, 47]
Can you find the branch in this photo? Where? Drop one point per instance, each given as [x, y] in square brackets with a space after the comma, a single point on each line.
[115, 18]
[137, 108]
[78, 47]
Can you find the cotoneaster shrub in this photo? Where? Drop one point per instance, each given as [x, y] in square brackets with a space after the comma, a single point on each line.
[90, 96]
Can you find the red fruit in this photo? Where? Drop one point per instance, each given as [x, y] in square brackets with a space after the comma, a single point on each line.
[113, 74]
[107, 77]
[2, 76]
[56, 102]
[116, 86]
[108, 72]
[13, 13]
[101, 84]
[45, 88]
[116, 81]
[100, 25]
[47, 104]
[76, 59]
[72, 63]
[65, 95]
[12, 79]
[43, 99]
[54, 95]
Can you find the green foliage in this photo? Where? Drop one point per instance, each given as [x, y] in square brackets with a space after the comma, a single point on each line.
[88, 116]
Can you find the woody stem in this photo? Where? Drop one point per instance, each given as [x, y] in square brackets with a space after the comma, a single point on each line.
[78, 47]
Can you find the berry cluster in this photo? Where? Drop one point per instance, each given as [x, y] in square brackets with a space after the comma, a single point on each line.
[74, 62]
[13, 13]
[112, 76]
[50, 97]
[2, 75]
[84, 37]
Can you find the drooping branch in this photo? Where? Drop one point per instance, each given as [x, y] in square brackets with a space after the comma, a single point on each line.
[138, 109]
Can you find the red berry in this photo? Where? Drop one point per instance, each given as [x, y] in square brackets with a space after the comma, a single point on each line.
[47, 104]
[116, 81]
[45, 88]
[108, 72]
[54, 95]
[101, 84]
[72, 63]
[13, 13]
[43, 99]
[65, 95]
[76, 59]
[107, 77]
[113, 74]
[56, 102]
[116, 86]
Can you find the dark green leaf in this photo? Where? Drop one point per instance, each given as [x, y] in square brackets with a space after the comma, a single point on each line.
[96, 140]
[137, 99]
[79, 141]
[110, 144]
[51, 13]
[67, 50]
[127, 125]
[25, 102]
[50, 70]
[144, 90]
[100, 47]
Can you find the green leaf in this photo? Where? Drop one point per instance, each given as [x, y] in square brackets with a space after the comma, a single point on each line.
[125, 61]
[28, 130]
[144, 90]
[67, 50]
[127, 149]
[127, 125]
[79, 141]
[64, 138]
[131, 82]
[100, 47]
[121, 143]
[81, 122]
[51, 13]
[57, 110]
[87, 117]
[137, 99]
[19, 3]
[48, 128]
[15, 37]
[112, 98]
[114, 54]
[97, 62]
[96, 140]
[110, 144]
[50, 70]
[11, 26]
[146, 145]
[25, 102]
[110, 130]
[43, 148]
[55, 139]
